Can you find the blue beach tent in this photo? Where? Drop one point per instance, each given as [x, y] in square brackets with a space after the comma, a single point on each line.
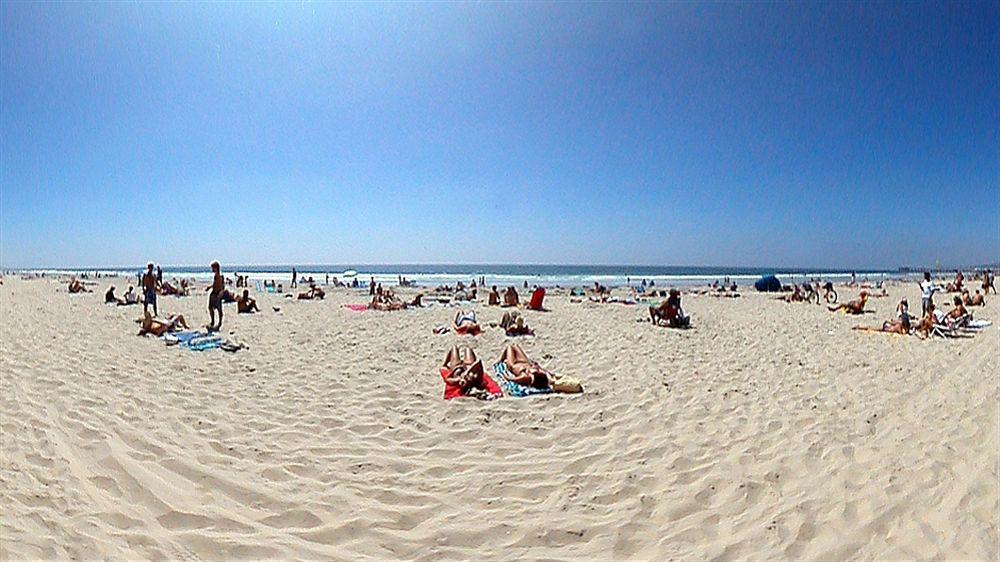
[768, 284]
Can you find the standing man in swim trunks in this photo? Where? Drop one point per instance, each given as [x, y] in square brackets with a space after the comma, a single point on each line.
[215, 297]
[149, 289]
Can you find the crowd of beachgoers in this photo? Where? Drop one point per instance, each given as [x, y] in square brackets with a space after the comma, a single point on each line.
[463, 372]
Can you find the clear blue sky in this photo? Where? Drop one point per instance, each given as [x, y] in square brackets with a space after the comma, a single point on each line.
[757, 134]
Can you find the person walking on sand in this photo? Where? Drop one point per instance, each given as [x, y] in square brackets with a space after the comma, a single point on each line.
[295, 278]
[149, 289]
[988, 282]
[215, 297]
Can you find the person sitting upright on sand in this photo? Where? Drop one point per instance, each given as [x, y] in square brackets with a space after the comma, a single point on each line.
[510, 297]
[130, 296]
[856, 306]
[671, 311]
[494, 298]
[978, 299]
[959, 309]
[513, 324]
[75, 286]
[245, 304]
[926, 324]
[110, 298]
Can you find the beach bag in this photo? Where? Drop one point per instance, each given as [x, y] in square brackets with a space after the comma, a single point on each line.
[568, 385]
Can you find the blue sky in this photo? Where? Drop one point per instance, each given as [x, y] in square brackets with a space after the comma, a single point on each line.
[758, 134]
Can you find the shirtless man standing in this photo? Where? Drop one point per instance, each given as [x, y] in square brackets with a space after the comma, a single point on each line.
[149, 289]
[215, 297]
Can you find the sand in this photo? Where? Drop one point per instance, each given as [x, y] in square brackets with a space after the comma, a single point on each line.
[769, 431]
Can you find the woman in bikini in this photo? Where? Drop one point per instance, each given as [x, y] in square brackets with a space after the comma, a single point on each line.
[524, 371]
[853, 307]
[466, 322]
[465, 370]
[158, 327]
[899, 326]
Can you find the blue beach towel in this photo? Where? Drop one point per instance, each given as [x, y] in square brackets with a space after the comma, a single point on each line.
[513, 389]
[195, 341]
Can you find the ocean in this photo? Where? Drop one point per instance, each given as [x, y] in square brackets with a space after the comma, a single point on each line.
[426, 275]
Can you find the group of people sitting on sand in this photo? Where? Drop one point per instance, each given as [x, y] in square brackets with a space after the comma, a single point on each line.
[129, 298]
[932, 318]
[386, 300]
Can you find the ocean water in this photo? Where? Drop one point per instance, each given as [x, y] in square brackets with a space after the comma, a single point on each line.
[517, 275]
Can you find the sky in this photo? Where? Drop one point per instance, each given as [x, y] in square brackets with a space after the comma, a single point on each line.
[855, 135]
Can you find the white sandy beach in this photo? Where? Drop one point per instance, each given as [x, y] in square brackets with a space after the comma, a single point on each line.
[768, 431]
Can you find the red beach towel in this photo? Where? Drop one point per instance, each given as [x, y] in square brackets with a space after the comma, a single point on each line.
[452, 391]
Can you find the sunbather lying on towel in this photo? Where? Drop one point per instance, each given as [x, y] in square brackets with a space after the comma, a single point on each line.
[856, 306]
[465, 322]
[524, 371]
[159, 327]
[465, 370]
[245, 304]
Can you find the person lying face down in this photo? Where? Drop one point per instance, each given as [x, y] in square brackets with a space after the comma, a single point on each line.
[856, 306]
[159, 327]
[524, 371]
[245, 304]
[465, 369]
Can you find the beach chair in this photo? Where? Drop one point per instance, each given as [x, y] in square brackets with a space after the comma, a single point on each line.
[536, 299]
